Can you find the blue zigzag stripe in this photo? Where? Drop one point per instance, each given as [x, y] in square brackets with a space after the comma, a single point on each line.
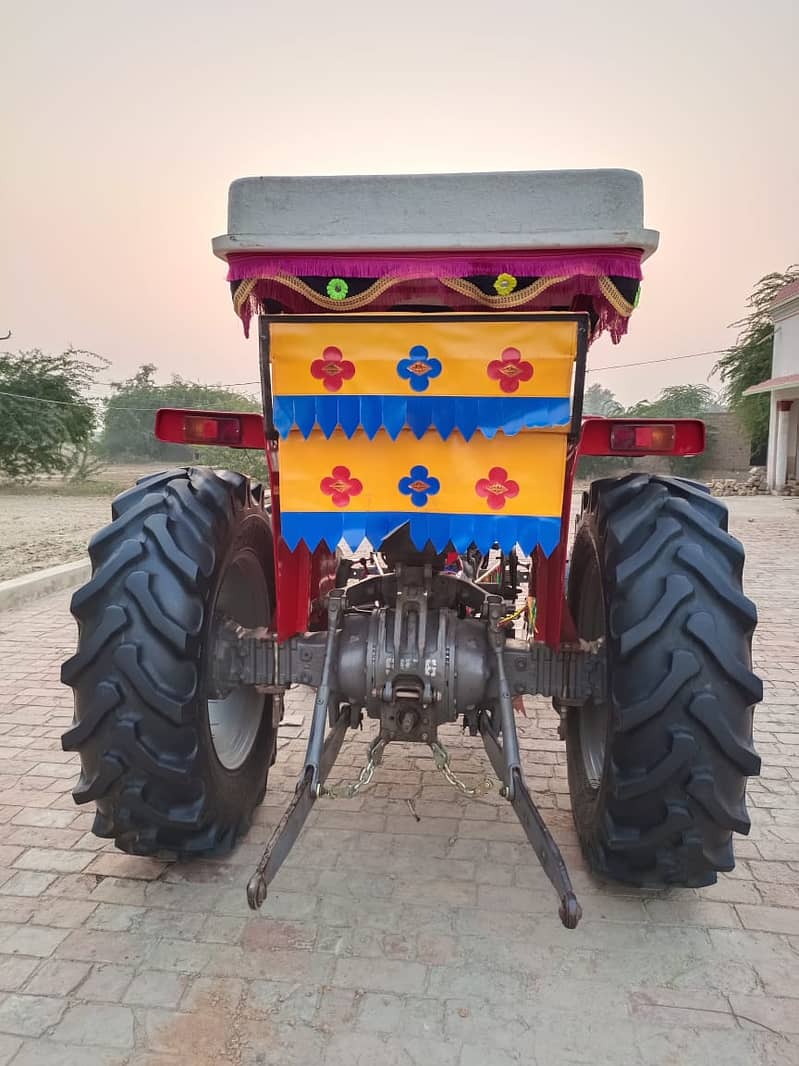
[488, 414]
[352, 527]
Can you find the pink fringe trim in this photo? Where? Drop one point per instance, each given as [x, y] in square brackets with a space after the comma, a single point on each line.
[625, 263]
[576, 294]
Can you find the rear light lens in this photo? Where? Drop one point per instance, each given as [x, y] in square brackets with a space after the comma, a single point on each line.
[630, 438]
[227, 429]
[200, 429]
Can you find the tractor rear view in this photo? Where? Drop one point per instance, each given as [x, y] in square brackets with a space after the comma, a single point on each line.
[423, 345]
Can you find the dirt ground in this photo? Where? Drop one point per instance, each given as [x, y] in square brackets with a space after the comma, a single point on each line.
[49, 523]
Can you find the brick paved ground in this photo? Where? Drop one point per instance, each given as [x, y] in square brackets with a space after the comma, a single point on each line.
[388, 940]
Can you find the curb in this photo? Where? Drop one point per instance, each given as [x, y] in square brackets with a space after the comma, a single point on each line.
[19, 591]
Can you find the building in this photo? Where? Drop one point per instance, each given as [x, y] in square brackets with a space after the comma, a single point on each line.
[783, 387]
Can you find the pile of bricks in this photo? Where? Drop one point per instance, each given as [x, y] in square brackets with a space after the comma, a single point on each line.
[754, 485]
[790, 488]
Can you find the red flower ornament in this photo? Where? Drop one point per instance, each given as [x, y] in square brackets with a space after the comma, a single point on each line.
[332, 369]
[510, 369]
[497, 488]
[341, 486]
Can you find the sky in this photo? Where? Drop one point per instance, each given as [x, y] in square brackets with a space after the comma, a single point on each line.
[123, 124]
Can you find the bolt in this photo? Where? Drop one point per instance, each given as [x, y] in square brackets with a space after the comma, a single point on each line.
[424, 736]
[504, 792]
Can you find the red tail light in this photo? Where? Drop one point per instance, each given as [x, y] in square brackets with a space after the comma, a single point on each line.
[644, 438]
[210, 427]
[199, 429]
[629, 436]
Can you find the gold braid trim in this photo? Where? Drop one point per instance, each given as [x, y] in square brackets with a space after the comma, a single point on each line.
[510, 300]
[242, 294]
[459, 285]
[349, 303]
[614, 297]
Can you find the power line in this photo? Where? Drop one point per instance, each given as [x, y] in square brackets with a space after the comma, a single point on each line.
[109, 406]
[650, 362]
[80, 403]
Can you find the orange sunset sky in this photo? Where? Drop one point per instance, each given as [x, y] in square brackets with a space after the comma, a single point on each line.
[123, 123]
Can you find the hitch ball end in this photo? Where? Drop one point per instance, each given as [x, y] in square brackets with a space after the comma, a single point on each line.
[256, 891]
[570, 911]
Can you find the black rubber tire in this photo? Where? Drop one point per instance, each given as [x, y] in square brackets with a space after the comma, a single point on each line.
[667, 577]
[144, 622]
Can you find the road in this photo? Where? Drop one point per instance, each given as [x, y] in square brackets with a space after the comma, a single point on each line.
[389, 940]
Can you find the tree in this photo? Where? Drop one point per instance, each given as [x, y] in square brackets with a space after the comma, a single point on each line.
[677, 401]
[45, 418]
[128, 424]
[600, 401]
[748, 361]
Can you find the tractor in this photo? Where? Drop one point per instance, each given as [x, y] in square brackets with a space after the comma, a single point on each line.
[423, 343]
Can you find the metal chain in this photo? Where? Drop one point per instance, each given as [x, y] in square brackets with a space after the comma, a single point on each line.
[364, 778]
[442, 759]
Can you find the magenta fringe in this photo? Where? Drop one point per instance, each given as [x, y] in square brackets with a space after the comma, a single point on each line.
[576, 293]
[624, 263]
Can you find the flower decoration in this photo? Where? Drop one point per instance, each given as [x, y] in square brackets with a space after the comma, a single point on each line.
[332, 369]
[497, 488]
[510, 369]
[419, 485]
[419, 368]
[341, 485]
[337, 289]
[505, 284]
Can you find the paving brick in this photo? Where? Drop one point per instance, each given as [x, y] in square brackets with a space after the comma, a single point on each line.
[694, 1010]
[9, 1046]
[52, 858]
[63, 913]
[389, 975]
[33, 940]
[103, 1025]
[112, 865]
[107, 984]
[220, 929]
[96, 945]
[410, 1015]
[479, 1055]
[15, 971]
[781, 1015]
[29, 1015]
[694, 911]
[214, 995]
[265, 934]
[292, 1003]
[190, 1036]
[279, 1045]
[115, 917]
[366, 1049]
[57, 977]
[27, 883]
[152, 988]
[770, 919]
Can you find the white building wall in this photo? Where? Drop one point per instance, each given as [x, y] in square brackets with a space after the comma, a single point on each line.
[786, 344]
[785, 361]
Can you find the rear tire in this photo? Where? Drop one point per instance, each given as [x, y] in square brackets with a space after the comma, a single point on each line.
[657, 774]
[167, 768]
